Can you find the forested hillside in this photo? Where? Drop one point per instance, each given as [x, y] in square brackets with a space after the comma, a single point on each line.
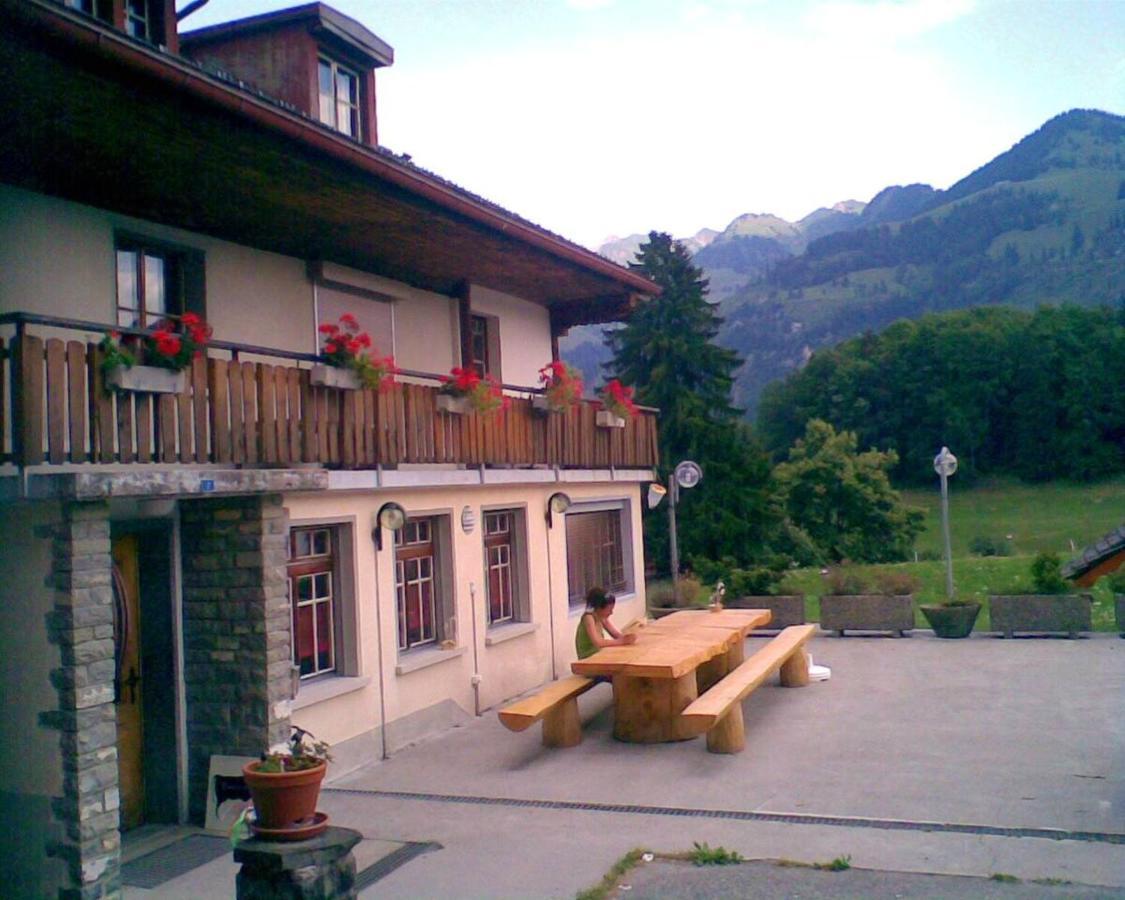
[1043, 223]
[1038, 395]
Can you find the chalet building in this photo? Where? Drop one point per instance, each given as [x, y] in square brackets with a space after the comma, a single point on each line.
[187, 571]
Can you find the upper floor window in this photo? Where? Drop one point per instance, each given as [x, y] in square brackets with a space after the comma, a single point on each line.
[138, 19]
[100, 9]
[155, 281]
[484, 345]
[339, 97]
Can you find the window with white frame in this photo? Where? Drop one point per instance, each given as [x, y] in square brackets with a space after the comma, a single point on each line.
[424, 603]
[313, 598]
[596, 555]
[339, 96]
[505, 560]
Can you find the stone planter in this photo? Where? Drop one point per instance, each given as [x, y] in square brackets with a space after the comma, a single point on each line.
[454, 406]
[952, 621]
[149, 379]
[785, 609]
[867, 612]
[334, 377]
[603, 418]
[1041, 613]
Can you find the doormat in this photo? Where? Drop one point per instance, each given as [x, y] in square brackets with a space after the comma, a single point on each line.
[393, 860]
[153, 869]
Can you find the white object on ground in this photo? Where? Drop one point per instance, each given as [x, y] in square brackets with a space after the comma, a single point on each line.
[818, 673]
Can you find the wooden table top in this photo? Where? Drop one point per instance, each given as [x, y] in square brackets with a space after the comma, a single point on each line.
[674, 645]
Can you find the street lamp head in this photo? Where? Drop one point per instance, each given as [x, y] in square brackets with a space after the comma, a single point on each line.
[945, 463]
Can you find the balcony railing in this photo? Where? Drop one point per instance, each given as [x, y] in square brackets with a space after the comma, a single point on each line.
[265, 414]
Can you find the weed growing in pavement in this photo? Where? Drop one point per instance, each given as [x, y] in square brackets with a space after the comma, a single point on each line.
[609, 881]
[703, 855]
[1004, 878]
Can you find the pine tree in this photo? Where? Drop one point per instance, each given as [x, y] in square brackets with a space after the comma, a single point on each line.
[666, 351]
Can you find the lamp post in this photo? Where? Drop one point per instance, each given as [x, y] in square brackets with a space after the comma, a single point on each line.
[686, 475]
[945, 464]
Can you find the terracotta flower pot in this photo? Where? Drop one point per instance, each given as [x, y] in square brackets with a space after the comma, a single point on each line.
[282, 799]
[952, 621]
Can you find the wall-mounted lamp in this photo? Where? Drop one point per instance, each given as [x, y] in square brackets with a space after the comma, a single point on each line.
[390, 516]
[656, 493]
[557, 504]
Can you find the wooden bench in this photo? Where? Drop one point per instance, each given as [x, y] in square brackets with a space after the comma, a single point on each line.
[719, 710]
[557, 706]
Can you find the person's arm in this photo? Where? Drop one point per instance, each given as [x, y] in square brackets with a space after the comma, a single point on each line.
[599, 640]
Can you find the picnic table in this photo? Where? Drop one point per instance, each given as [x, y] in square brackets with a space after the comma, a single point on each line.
[674, 660]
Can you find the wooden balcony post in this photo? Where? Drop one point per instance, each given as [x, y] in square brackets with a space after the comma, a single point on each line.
[27, 400]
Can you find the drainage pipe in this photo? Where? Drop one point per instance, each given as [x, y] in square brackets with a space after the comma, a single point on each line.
[476, 679]
[379, 644]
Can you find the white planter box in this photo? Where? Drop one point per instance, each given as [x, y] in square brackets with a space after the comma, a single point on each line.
[606, 419]
[542, 406]
[149, 379]
[456, 406]
[334, 377]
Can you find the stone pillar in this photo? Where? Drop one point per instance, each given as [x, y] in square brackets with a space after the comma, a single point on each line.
[237, 654]
[81, 624]
[321, 868]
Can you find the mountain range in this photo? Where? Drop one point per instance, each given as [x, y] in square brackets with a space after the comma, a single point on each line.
[1042, 223]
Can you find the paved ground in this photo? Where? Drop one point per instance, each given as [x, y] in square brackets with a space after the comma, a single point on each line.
[957, 758]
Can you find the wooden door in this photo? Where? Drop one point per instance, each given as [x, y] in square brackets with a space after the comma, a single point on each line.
[130, 722]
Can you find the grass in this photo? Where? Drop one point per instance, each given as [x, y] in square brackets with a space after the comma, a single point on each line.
[1058, 516]
[606, 886]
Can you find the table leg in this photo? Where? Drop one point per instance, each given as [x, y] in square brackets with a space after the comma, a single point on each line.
[647, 710]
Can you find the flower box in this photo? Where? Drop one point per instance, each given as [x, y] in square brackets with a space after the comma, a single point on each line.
[603, 418]
[334, 377]
[785, 609]
[542, 406]
[867, 612]
[149, 379]
[454, 406]
[1043, 613]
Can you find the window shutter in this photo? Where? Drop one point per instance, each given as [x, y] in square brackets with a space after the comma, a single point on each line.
[195, 283]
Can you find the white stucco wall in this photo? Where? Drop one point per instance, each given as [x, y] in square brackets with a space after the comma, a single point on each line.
[525, 334]
[57, 258]
[506, 668]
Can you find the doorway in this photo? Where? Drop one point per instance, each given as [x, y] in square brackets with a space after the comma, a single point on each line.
[144, 672]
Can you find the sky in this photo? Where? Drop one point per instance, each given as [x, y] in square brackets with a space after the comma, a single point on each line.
[596, 118]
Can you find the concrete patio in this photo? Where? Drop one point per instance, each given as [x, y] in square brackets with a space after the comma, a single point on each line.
[970, 757]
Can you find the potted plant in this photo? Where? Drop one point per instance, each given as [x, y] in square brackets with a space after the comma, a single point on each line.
[1048, 607]
[952, 619]
[285, 785]
[617, 405]
[757, 587]
[664, 599]
[348, 364]
[562, 388]
[463, 390]
[853, 603]
[154, 362]
[1117, 588]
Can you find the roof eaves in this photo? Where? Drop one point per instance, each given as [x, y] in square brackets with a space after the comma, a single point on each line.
[1102, 548]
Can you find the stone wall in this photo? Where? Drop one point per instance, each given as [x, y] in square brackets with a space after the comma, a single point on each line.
[81, 624]
[237, 654]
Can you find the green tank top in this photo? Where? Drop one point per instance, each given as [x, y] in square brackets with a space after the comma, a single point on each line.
[582, 642]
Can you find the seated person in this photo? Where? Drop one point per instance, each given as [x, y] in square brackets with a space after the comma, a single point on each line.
[594, 628]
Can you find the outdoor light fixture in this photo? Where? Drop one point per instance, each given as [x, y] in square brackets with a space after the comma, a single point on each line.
[558, 503]
[390, 516]
[656, 493]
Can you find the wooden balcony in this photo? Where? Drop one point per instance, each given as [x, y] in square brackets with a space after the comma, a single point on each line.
[237, 413]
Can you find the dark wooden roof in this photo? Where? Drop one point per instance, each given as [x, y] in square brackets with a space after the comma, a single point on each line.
[93, 116]
[1103, 548]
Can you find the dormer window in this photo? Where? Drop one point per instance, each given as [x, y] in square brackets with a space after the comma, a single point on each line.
[138, 22]
[339, 97]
